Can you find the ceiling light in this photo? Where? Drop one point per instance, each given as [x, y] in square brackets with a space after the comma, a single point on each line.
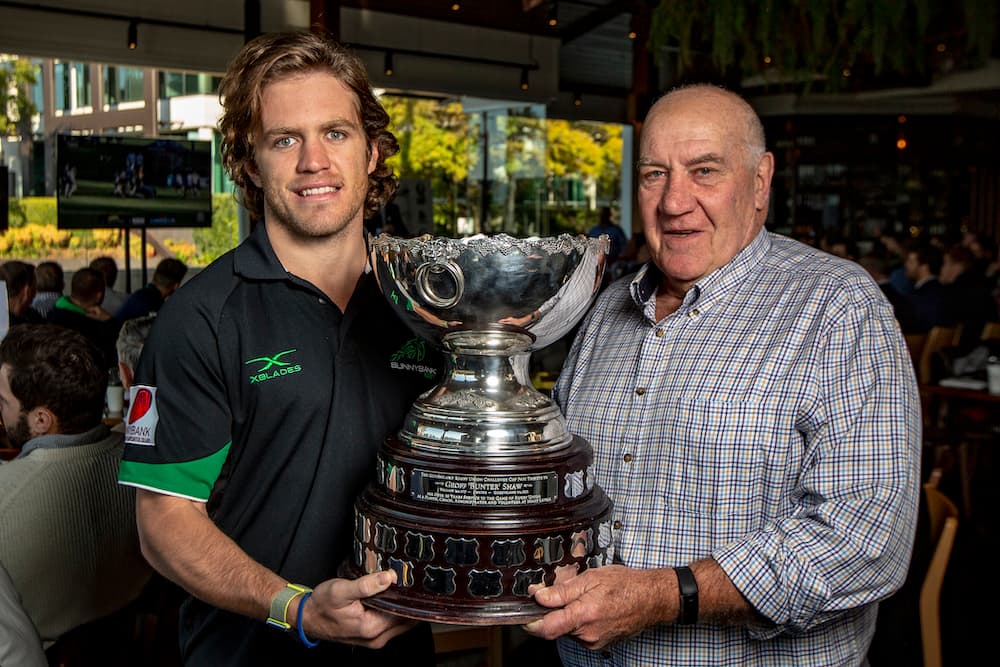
[133, 34]
[553, 19]
[577, 100]
[388, 63]
[524, 78]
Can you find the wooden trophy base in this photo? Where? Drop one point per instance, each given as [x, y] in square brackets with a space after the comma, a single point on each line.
[468, 534]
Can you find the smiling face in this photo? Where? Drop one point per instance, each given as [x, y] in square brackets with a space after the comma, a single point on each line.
[312, 157]
[703, 184]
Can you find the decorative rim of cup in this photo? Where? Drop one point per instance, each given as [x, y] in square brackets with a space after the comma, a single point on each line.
[443, 247]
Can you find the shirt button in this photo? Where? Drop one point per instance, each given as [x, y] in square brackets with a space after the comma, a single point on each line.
[695, 312]
[640, 390]
[627, 458]
[617, 525]
[659, 333]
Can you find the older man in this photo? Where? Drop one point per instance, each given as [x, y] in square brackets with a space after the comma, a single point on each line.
[755, 420]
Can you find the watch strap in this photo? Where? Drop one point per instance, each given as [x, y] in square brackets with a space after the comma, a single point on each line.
[688, 587]
[278, 615]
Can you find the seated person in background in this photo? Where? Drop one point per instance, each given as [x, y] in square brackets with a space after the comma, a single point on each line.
[20, 279]
[81, 311]
[19, 642]
[86, 562]
[926, 303]
[606, 225]
[108, 268]
[967, 296]
[131, 338]
[876, 268]
[49, 286]
[166, 279]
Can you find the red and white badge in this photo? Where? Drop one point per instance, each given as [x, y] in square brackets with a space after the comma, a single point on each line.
[142, 417]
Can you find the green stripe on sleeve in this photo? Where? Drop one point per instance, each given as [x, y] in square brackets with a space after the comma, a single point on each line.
[191, 479]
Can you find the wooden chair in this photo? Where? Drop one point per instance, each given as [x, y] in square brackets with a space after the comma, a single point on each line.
[943, 516]
[991, 331]
[454, 638]
[915, 344]
[938, 338]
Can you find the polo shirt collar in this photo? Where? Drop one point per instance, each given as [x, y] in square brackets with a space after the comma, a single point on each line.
[255, 258]
[712, 287]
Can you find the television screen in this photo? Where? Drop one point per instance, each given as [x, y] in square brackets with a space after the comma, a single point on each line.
[111, 181]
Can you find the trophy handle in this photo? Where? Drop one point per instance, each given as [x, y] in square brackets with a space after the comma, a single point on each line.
[427, 293]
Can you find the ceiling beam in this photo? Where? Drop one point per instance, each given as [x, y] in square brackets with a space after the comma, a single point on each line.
[598, 17]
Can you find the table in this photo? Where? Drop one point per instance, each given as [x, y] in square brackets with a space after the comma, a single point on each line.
[963, 419]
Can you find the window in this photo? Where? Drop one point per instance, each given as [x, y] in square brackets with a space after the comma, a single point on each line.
[72, 86]
[174, 84]
[122, 84]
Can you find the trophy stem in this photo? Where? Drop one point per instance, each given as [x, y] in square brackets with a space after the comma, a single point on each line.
[485, 401]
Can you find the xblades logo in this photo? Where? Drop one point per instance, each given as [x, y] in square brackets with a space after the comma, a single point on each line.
[273, 367]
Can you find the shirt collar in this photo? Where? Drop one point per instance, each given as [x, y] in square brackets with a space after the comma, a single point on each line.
[709, 289]
[61, 440]
[255, 257]
[64, 303]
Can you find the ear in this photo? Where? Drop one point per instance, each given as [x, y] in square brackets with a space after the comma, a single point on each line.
[42, 421]
[762, 181]
[253, 173]
[372, 157]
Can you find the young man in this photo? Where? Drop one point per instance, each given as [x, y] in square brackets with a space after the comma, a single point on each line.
[266, 386]
[755, 421]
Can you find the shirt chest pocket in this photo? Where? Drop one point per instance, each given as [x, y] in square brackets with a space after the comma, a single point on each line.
[721, 458]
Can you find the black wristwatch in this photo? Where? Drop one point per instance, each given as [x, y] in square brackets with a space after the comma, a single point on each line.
[688, 587]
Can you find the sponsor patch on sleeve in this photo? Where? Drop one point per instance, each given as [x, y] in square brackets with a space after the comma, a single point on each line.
[140, 423]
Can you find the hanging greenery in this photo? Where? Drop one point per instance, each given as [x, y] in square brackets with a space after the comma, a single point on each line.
[820, 43]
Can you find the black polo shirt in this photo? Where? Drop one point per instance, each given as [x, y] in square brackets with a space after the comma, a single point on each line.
[255, 394]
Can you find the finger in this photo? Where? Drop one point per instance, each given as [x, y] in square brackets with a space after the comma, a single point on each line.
[566, 572]
[553, 625]
[395, 626]
[558, 595]
[349, 590]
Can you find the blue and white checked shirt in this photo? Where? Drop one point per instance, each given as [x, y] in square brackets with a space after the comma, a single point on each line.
[771, 422]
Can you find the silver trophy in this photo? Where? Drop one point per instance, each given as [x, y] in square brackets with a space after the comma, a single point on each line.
[483, 492]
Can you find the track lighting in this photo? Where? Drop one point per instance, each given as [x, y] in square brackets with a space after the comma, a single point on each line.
[133, 34]
[524, 78]
[388, 63]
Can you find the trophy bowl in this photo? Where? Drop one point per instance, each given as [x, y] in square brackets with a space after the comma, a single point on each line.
[483, 492]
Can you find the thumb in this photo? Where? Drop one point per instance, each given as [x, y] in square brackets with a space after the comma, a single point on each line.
[349, 590]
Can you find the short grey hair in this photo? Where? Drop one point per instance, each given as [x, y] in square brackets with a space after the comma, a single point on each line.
[132, 337]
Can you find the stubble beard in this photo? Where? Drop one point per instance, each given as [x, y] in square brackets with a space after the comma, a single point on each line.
[19, 434]
[325, 224]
